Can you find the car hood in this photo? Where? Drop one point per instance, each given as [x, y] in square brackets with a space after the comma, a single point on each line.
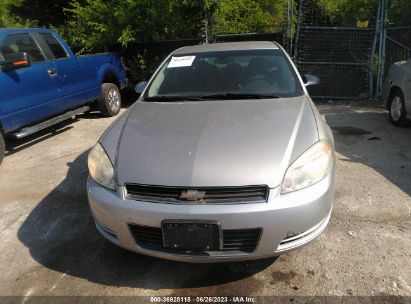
[210, 143]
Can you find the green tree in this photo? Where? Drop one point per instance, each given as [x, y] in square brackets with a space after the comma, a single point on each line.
[399, 12]
[348, 12]
[46, 13]
[188, 17]
[8, 19]
[100, 24]
[97, 24]
[242, 16]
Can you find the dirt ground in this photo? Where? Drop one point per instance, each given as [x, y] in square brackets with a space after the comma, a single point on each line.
[49, 245]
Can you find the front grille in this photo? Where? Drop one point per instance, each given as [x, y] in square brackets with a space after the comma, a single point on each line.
[151, 238]
[147, 237]
[160, 194]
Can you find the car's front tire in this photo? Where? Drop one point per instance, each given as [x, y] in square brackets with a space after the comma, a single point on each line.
[396, 107]
[110, 101]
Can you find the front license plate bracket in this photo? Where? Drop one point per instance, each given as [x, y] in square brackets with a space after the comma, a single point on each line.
[191, 236]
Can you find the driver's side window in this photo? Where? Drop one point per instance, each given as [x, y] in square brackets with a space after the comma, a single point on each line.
[18, 43]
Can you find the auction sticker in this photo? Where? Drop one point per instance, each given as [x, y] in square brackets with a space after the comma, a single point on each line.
[182, 61]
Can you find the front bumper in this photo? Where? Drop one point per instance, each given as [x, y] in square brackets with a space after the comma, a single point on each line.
[287, 221]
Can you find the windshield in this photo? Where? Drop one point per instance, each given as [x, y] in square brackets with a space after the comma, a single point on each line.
[230, 74]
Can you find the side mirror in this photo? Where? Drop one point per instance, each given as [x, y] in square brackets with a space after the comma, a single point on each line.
[15, 61]
[310, 80]
[139, 88]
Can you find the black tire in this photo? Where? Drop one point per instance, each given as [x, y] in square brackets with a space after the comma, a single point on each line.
[396, 108]
[2, 148]
[110, 101]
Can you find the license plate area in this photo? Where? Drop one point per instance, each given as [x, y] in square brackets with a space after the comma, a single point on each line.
[193, 236]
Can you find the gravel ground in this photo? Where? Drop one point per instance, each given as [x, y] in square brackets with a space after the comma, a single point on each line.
[49, 245]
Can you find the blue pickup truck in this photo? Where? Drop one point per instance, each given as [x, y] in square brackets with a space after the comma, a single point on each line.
[42, 82]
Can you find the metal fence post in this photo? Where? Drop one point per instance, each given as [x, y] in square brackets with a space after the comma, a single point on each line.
[297, 34]
[374, 46]
[290, 37]
[206, 28]
[381, 50]
[384, 35]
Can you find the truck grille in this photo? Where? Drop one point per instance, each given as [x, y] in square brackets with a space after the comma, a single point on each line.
[151, 238]
[160, 194]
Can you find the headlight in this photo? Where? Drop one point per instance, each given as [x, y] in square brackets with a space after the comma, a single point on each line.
[100, 167]
[309, 168]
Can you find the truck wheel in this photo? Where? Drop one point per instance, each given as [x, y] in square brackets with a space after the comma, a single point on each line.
[2, 148]
[110, 101]
[396, 106]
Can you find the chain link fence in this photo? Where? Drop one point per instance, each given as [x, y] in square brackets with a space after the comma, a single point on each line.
[274, 36]
[340, 56]
[397, 46]
[351, 61]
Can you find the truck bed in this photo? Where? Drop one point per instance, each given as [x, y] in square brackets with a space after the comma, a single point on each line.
[91, 64]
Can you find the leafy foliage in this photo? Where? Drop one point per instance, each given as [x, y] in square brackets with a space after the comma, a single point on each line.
[45, 13]
[101, 24]
[8, 19]
[399, 12]
[242, 16]
[348, 12]
[105, 24]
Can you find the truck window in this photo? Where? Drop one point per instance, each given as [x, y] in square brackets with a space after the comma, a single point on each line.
[16, 43]
[55, 46]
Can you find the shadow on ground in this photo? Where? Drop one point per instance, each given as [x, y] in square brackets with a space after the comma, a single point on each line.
[61, 236]
[366, 136]
[15, 145]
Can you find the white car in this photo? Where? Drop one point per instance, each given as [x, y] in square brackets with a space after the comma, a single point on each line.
[397, 92]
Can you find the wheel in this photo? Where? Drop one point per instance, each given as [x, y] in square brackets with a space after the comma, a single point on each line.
[2, 148]
[396, 107]
[110, 101]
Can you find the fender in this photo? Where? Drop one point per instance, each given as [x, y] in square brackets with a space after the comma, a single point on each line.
[107, 69]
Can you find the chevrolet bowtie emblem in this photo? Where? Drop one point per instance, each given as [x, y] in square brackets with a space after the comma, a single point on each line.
[192, 195]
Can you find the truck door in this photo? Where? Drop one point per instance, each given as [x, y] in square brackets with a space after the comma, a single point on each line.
[26, 92]
[68, 71]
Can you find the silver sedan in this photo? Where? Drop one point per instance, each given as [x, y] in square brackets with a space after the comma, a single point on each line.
[224, 157]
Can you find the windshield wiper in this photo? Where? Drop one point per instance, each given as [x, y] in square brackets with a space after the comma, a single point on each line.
[165, 98]
[239, 96]
[172, 98]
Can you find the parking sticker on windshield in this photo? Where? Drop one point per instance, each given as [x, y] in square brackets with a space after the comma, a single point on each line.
[183, 61]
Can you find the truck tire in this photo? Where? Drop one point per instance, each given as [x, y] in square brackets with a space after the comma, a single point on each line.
[396, 107]
[110, 101]
[2, 148]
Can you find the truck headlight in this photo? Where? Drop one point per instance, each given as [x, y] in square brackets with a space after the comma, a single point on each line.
[309, 168]
[100, 167]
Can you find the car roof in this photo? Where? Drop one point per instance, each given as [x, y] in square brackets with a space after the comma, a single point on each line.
[227, 46]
